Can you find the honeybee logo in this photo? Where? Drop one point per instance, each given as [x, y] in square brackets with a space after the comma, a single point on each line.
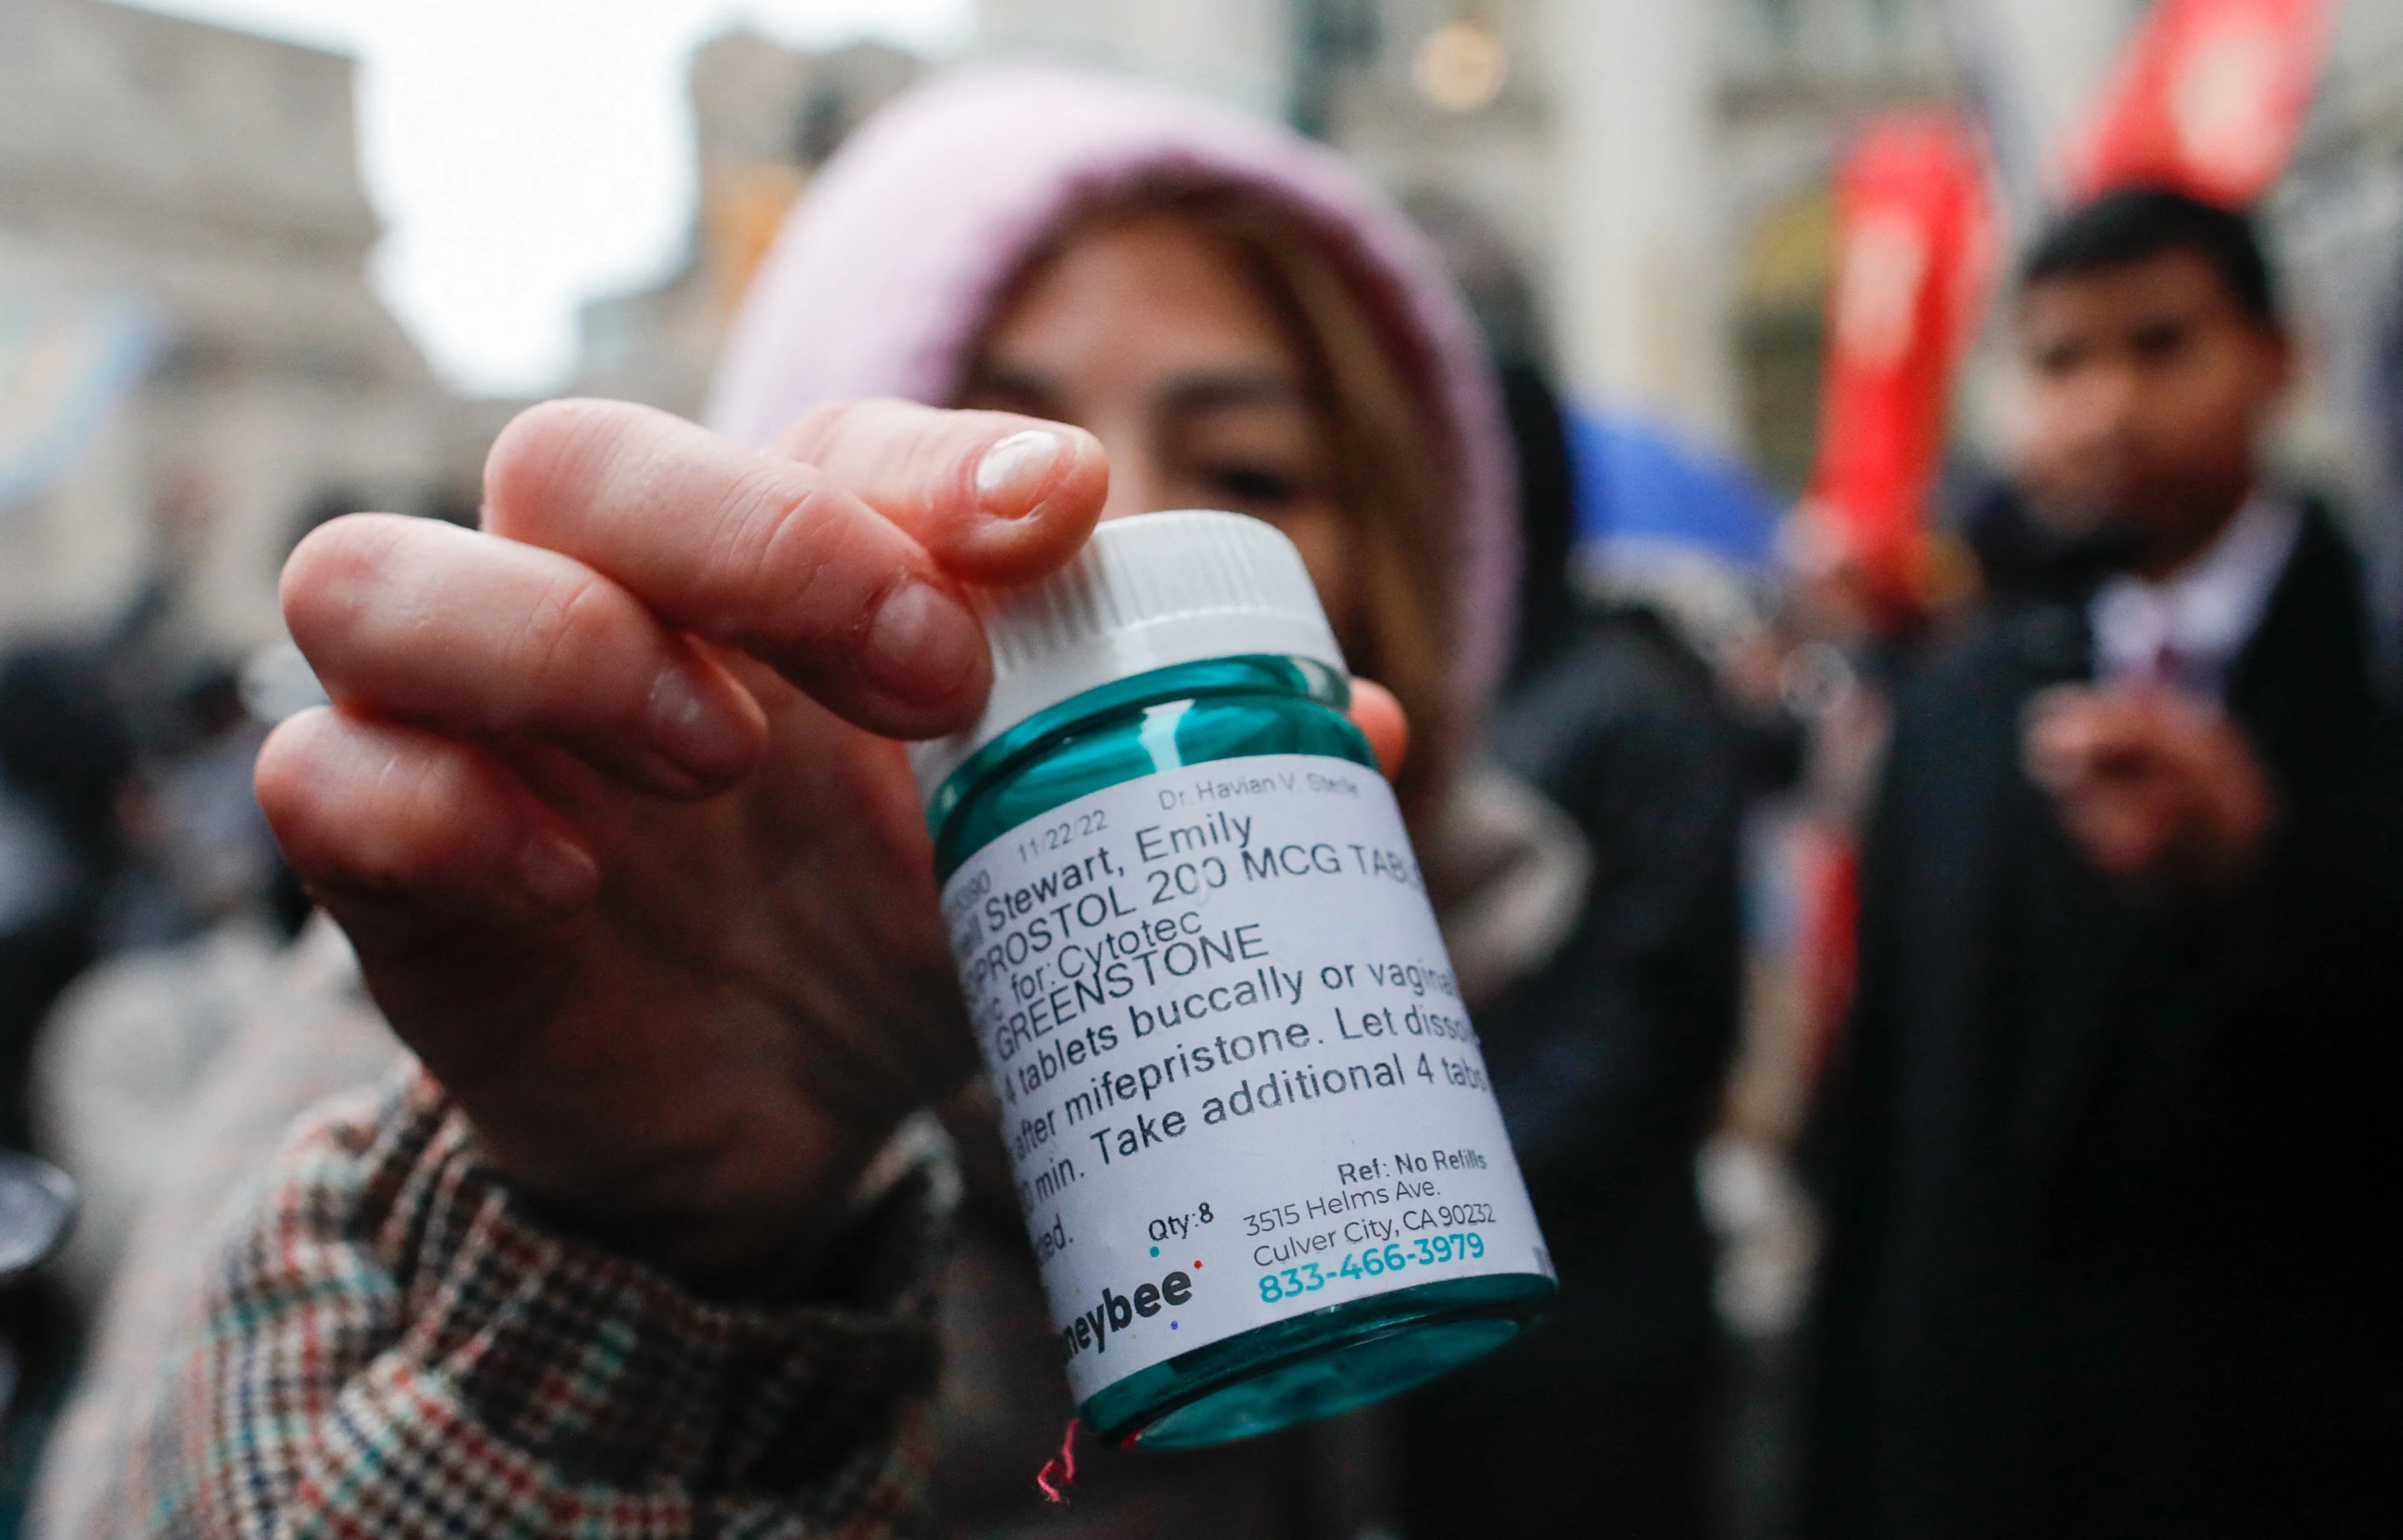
[1092, 1331]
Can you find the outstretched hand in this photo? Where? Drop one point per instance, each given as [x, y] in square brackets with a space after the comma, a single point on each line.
[2149, 781]
[610, 801]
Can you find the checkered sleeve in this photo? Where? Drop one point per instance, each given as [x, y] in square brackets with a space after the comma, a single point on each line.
[393, 1347]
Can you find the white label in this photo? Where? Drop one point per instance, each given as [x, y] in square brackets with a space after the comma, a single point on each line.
[1236, 1078]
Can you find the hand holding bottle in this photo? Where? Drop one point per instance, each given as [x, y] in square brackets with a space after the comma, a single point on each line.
[611, 804]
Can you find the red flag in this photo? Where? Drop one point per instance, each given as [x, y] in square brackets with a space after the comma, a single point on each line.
[1916, 240]
[2208, 98]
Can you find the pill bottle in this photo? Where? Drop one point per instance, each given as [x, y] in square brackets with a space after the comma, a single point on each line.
[1251, 1130]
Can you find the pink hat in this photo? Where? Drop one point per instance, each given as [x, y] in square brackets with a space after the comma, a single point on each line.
[887, 271]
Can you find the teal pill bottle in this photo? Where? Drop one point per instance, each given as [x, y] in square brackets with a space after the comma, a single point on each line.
[1248, 1117]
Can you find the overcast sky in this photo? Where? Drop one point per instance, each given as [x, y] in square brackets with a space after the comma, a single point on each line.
[526, 154]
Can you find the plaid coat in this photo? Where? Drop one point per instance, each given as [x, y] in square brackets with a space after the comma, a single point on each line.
[375, 1337]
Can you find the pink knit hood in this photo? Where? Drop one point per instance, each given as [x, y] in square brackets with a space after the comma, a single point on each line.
[884, 275]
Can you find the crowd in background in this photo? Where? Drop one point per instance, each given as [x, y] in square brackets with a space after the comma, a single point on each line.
[2095, 1076]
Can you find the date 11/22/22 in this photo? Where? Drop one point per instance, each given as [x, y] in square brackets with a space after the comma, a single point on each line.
[1039, 843]
[1430, 1250]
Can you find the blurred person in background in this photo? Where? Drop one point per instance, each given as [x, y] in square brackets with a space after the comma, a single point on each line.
[1609, 1060]
[632, 1244]
[2104, 1141]
[196, 929]
[131, 846]
[65, 751]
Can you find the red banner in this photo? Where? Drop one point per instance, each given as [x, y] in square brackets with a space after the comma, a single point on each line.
[1916, 241]
[2208, 98]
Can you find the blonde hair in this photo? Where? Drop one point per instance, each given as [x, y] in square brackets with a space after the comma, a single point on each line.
[1392, 481]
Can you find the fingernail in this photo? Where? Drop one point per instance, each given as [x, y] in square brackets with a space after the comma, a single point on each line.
[554, 873]
[921, 644]
[697, 732]
[1010, 476]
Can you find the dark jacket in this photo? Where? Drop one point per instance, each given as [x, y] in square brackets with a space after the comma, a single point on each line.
[1608, 1062]
[2105, 1169]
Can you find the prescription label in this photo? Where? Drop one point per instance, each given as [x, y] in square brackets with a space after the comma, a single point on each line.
[1237, 1081]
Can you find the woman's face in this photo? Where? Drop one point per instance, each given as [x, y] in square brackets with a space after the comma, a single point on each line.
[1152, 339]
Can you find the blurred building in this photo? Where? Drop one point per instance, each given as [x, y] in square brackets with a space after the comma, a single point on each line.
[1664, 169]
[190, 356]
[765, 118]
[1246, 51]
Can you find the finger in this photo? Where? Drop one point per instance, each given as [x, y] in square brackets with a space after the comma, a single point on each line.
[2143, 734]
[378, 812]
[2050, 729]
[2054, 748]
[428, 623]
[751, 550]
[996, 498]
[2183, 732]
[1379, 715]
[2122, 834]
[2055, 700]
[2073, 733]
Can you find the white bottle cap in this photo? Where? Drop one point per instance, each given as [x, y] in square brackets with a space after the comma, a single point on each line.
[1146, 592]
